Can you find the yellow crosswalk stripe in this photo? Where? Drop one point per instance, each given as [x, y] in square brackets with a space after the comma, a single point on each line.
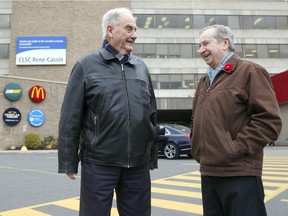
[274, 168]
[186, 177]
[275, 173]
[23, 212]
[179, 206]
[273, 184]
[181, 193]
[69, 203]
[276, 178]
[178, 183]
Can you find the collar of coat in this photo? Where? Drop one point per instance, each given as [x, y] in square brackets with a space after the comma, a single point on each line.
[232, 62]
[113, 53]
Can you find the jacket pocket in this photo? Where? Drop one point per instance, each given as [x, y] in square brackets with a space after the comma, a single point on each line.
[142, 88]
[95, 126]
[223, 153]
[230, 154]
[232, 151]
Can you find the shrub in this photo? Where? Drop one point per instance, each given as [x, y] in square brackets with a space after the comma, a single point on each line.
[49, 143]
[32, 141]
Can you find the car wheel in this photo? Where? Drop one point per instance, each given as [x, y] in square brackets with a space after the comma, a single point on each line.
[171, 151]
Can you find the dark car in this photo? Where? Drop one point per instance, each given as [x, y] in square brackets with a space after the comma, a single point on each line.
[175, 141]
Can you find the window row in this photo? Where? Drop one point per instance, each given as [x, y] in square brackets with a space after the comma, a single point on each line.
[191, 50]
[175, 81]
[187, 21]
[5, 21]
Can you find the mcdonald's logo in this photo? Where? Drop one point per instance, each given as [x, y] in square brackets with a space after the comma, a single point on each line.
[37, 93]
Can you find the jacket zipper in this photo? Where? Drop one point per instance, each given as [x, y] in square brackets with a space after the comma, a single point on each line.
[207, 95]
[128, 113]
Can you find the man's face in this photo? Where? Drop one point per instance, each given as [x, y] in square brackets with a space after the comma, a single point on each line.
[211, 50]
[123, 36]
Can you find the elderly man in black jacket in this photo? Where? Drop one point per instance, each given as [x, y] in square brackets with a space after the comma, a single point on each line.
[108, 120]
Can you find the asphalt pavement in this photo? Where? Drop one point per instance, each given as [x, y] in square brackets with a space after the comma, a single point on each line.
[29, 182]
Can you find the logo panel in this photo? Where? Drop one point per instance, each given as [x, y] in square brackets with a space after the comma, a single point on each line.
[13, 91]
[11, 116]
[37, 93]
[36, 118]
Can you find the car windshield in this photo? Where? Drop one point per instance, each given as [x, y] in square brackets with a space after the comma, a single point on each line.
[182, 128]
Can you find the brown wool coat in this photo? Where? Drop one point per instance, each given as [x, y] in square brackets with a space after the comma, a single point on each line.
[234, 119]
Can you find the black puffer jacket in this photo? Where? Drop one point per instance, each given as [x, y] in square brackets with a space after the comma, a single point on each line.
[108, 114]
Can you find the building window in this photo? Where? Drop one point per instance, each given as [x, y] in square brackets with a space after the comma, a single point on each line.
[149, 50]
[186, 50]
[4, 21]
[239, 50]
[198, 21]
[273, 51]
[281, 22]
[250, 51]
[161, 51]
[233, 22]
[283, 51]
[175, 81]
[174, 50]
[189, 81]
[262, 51]
[4, 51]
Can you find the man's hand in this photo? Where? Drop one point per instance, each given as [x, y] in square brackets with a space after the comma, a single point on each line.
[71, 175]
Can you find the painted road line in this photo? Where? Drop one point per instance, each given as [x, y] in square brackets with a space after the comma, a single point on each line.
[181, 193]
[186, 177]
[275, 169]
[275, 178]
[27, 211]
[178, 206]
[177, 183]
[72, 203]
[273, 184]
[69, 203]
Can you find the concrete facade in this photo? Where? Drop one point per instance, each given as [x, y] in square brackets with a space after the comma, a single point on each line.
[80, 22]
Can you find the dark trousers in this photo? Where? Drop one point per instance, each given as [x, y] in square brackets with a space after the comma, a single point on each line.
[132, 187]
[233, 196]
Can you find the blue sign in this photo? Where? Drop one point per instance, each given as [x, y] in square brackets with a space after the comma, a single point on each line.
[11, 116]
[41, 50]
[36, 118]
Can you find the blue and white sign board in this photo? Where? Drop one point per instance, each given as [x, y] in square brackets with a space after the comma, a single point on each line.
[41, 50]
[36, 118]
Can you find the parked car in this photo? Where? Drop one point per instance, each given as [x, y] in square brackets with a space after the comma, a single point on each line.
[175, 141]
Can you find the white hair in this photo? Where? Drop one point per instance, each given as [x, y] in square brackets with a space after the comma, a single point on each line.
[222, 32]
[112, 18]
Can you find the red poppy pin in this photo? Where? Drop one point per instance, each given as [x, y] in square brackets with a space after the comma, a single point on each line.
[228, 67]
